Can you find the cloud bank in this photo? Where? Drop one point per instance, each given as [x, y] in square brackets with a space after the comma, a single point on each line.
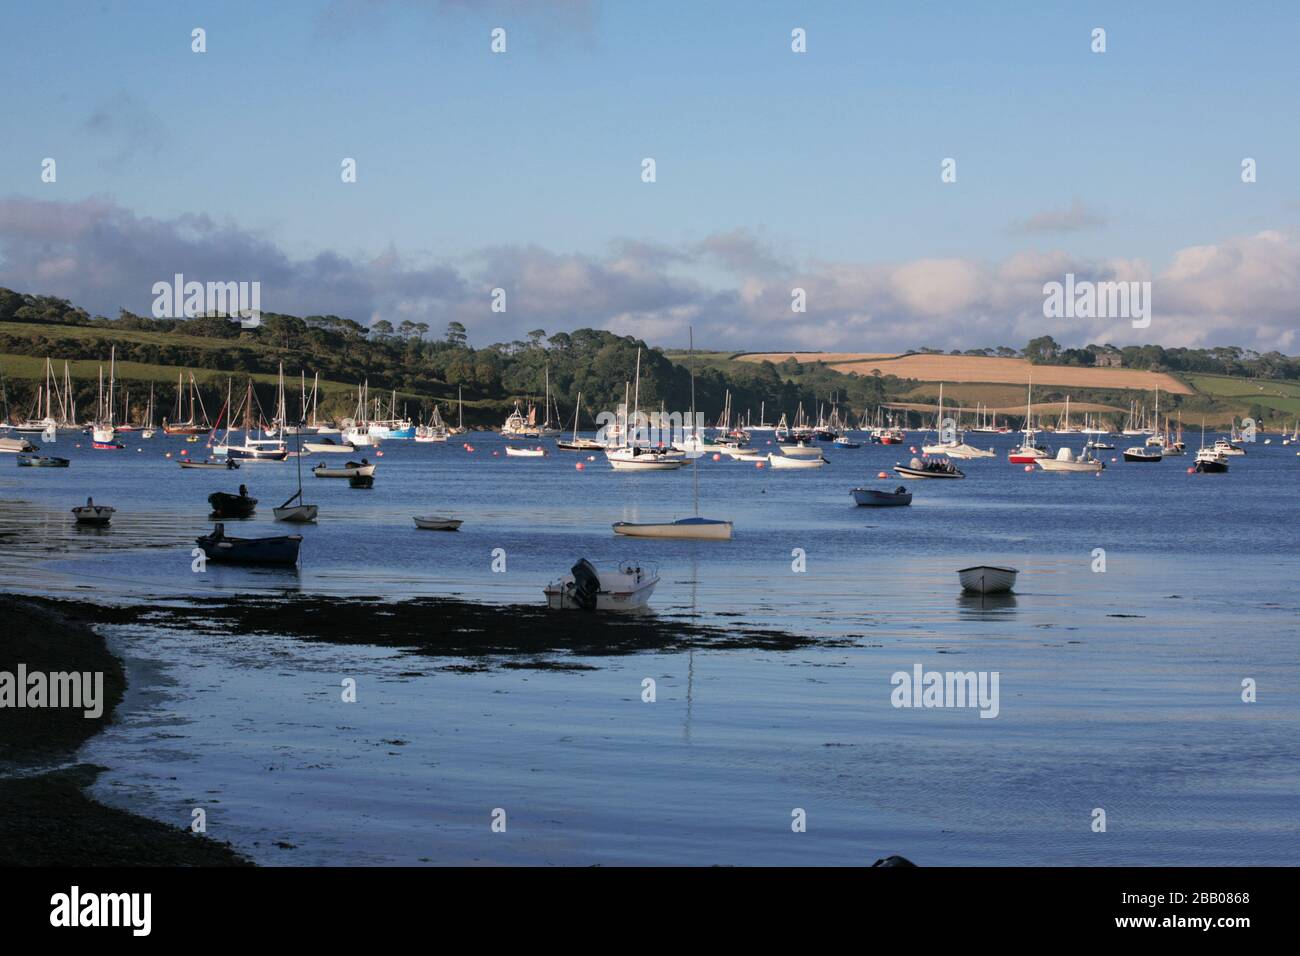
[733, 287]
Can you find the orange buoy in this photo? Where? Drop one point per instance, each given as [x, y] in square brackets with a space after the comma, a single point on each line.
[1191, 471]
[579, 465]
[759, 464]
[883, 474]
[717, 457]
[1029, 467]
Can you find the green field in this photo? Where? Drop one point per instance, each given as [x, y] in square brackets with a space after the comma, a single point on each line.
[1282, 397]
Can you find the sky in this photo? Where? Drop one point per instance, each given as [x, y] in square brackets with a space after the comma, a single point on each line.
[774, 170]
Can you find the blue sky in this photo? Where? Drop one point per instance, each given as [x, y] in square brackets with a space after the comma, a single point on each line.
[822, 162]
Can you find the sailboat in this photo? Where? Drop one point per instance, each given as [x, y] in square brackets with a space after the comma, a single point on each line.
[149, 430]
[1029, 451]
[460, 428]
[632, 457]
[191, 426]
[696, 527]
[103, 434]
[296, 512]
[253, 449]
[576, 443]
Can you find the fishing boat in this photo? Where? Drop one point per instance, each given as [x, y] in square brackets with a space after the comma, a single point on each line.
[1143, 453]
[328, 446]
[786, 463]
[300, 512]
[934, 468]
[93, 514]
[514, 452]
[42, 461]
[987, 579]
[844, 441]
[871, 498]
[1210, 462]
[210, 464]
[519, 425]
[349, 470]
[436, 523]
[1067, 461]
[278, 550]
[434, 431]
[586, 588]
[226, 505]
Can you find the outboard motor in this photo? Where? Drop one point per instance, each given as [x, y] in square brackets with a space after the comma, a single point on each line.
[586, 584]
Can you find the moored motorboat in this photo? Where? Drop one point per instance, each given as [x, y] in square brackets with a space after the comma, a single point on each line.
[42, 461]
[585, 588]
[278, 550]
[1067, 461]
[872, 498]
[1144, 453]
[93, 514]
[17, 445]
[514, 452]
[710, 529]
[635, 458]
[801, 450]
[987, 579]
[934, 468]
[844, 441]
[1210, 462]
[436, 522]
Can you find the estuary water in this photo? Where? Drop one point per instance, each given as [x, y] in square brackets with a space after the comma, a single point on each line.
[1147, 598]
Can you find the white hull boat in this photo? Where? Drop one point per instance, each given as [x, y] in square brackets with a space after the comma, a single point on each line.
[641, 459]
[1066, 462]
[707, 529]
[350, 470]
[327, 448]
[297, 513]
[985, 579]
[93, 514]
[782, 463]
[970, 451]
[587, 589]
[19, 446]
[513, 452]
[801, 450]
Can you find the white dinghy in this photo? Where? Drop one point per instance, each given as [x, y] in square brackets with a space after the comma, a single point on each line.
[436, 523]
[781, 462]
[352, 469]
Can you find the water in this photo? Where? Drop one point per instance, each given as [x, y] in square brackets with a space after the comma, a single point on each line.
[1119, 690]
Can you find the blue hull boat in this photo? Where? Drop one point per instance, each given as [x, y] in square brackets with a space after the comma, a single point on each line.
[279, 550]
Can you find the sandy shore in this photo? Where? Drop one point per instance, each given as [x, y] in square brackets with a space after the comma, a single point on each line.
[46, 819]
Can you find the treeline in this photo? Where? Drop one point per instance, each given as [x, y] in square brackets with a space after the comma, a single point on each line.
[1221, 360]
[594, 362]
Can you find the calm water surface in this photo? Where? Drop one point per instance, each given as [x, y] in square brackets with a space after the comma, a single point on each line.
[1119, 690]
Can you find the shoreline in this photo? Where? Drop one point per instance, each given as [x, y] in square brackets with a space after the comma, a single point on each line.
[46, 817]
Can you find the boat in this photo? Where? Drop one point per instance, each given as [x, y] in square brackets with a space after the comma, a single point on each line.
[278, 550]
[213, 464]
[965, 451]
[844, 441]
[1066, 461]
[436, 523]
[192, 425]
[1144, 453]
[1224, 447]
[328, 446]
[513, 452]
[784, 463]
[42, 461]
[435, 431]
[226, 505]
[1029, 451]
[585, 588]
[576, 443]
[361, 481]
[460, 428]
[710, 529]
[17, 445]
[935, 468]
[871, 498]
[801, 450]
[1210, 462]
[349, 470]
[102, 431]
[301, 512]
[987, 579]
[93, 514]
[630, 456]
[744, 454]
